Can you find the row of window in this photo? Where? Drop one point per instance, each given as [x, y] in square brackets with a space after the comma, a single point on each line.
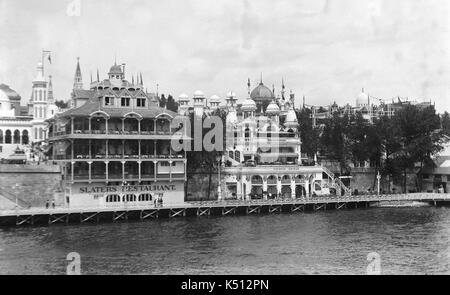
[39, 95]
[125, 101]
[128, 198]
[14, 138]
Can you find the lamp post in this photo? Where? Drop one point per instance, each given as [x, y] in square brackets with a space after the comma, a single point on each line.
[219, 189]
[378, 182]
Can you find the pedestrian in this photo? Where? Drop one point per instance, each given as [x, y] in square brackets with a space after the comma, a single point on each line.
[47, 204]
[53, 204]
[154, 201]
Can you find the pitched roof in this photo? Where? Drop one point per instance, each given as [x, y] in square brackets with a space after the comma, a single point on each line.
[93, 105]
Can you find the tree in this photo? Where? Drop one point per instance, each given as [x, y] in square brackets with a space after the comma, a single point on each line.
[445, 123]
[171, 104]
[61, 104]
[420, 137]
[162, 101]
[334, 141]
[205, 161]
[309, 135]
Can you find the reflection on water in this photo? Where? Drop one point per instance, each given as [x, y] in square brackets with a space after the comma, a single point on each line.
[409, 240]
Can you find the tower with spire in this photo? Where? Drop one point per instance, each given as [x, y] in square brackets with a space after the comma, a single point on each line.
[78, 79]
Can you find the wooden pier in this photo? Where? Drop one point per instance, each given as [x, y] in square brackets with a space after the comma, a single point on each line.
[42, 216]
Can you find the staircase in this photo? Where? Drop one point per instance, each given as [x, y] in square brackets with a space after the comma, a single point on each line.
[336, 182]
[12, 197]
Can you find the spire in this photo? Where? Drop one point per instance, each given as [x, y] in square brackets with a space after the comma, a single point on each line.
[282, 88]
[248, 86]
[50, 90]
[98, 76]
[141, 82]
[261, 79]
[78, 80]
[91, 76]
[132, 79]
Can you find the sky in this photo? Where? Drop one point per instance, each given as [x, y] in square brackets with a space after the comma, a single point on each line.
[325, 50]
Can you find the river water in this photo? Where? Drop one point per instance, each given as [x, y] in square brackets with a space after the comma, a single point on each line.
[408, 240]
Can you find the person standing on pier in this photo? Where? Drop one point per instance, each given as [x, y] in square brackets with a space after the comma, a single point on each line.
[47, 204]
[53, 204]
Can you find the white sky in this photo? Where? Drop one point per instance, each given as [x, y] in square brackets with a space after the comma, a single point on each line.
[326, 50]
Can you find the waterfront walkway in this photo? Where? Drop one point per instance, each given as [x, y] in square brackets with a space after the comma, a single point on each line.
[49, 216]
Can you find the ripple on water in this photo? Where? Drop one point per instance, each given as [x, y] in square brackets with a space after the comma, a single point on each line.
[409, 241]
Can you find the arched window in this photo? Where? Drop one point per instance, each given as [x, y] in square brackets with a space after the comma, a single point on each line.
[256, 179]
[8, 136]
[25, 139]
[40, 133]
[1, 136]
[16, 137]
[40, 95]
[145, 197]
[112, 198]
[35, 133]
[129, 198]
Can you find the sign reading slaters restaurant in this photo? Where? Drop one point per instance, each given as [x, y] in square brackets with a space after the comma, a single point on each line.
[128, 188]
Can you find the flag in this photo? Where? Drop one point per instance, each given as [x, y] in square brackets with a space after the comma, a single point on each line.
[46, 54]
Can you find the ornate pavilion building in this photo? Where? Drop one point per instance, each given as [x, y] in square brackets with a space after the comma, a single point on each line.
[114, 145]
[263, 156]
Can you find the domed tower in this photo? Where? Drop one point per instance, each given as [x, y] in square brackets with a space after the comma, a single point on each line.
[115, 73]
[262, 96]
[183, 104]
[231, 100]
[199, 103]
[39, 103]
[248, 108]
[273, 111]
[214, 102]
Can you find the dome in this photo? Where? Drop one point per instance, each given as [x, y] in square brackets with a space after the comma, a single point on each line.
[199, 94]
[183, 97]
[362, 99]
[291, 117]
[262, 93]
[272, 108]
[214, 98]
[248, 105]
[115, 69]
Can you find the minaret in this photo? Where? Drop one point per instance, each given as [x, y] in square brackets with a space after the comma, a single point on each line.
[78, 80]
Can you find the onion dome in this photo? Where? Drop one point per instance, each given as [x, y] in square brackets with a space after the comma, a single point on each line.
[248, 105]
[115, 69]
[262, 93]
[272, 109]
